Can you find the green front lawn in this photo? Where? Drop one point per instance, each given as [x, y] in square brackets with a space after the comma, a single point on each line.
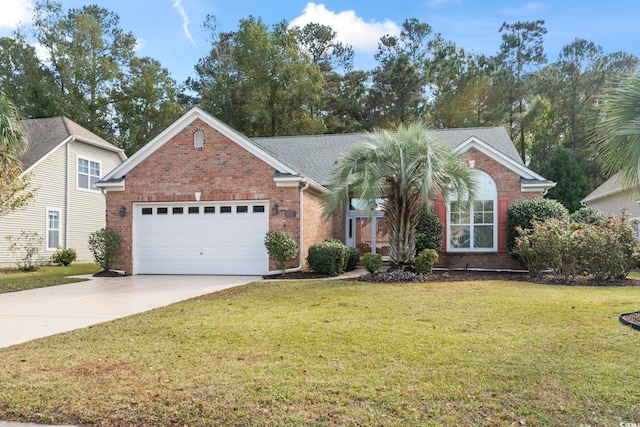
[12, 281]
[329, 353]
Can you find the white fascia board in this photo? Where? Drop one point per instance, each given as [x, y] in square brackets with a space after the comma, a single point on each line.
[537, 187]
[112, 186]
[102, 145]
[177, 126]
[298, 181]
[498, 156]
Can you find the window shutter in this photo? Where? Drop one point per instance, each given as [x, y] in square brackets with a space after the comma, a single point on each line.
[441, 212]
[503, 205]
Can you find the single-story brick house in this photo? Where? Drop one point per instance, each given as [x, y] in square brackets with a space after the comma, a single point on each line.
[199, 198]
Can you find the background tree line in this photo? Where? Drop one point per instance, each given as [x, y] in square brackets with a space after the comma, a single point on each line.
[280, 80]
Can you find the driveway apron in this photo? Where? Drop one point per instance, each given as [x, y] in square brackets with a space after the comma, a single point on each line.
[38, 313]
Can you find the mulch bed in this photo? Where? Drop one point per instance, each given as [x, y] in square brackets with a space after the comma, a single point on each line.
[631, 319]
[462, 275]
[107, 273]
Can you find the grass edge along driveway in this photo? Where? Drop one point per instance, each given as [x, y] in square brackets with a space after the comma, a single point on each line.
[342, 353]
[52, 275]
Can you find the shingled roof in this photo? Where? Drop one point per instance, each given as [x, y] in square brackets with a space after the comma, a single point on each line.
[45, 134]
[315, 155]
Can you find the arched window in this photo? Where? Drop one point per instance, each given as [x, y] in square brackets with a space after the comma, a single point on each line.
[198, 139]
[472, 226]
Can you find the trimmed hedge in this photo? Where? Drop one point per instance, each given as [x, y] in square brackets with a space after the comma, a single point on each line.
[372, 262]
[425, 261]
[589, 215]
[330, 257]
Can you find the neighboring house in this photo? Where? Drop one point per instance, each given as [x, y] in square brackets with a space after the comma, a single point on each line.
[612, 196]
[199, 198]
[66, 161]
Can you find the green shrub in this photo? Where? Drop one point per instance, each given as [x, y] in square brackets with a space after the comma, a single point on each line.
[104, 244]
[372, 262]
[522, 214]
[589, 215]
[545, 246]
[354, 258]
[426, 260]
[64, 256]
[428, 231]
[608, 251]
[281, 247]
[27, 249]
[329, 257]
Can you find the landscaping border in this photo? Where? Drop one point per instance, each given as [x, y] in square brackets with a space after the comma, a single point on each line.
[624, 321]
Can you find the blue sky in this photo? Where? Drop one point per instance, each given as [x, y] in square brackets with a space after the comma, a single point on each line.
[171, 30]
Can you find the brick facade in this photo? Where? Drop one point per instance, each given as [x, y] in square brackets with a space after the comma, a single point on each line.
[221, 170]
[509, 192]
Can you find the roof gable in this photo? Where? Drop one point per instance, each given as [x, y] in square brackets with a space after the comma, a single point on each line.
[177, 126]
[499, 157]
[45, 135]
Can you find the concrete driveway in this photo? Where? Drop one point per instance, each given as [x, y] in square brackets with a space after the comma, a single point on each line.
[38, 313]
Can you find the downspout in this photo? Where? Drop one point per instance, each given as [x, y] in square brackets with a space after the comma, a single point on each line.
[301, 229]
[66, 193]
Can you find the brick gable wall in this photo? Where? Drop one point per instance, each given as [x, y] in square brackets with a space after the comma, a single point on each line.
[508, 186]
[221, 170]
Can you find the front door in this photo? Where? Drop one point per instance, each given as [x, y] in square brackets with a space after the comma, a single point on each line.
[367, 232]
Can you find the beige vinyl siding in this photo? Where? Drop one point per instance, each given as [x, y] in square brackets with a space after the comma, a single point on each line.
[49, 179]
[614, 203]
[86, 207]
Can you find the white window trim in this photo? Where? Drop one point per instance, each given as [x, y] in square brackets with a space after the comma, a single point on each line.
[450, 248]
[47, 229]
[77, 173]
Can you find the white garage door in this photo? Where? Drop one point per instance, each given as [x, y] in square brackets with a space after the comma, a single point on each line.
[201, 238]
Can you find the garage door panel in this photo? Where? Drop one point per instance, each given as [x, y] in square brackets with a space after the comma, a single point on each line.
[202, 243]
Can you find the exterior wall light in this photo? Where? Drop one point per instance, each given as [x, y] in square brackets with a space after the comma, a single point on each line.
[122, 211]
[274, 209]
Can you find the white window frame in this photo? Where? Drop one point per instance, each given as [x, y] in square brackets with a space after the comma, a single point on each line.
[488, 191]
[48, 228]
[89, 174]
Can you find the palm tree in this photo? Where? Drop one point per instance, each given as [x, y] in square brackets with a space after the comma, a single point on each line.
[619, 131]
[15, 189]
[13, 140]
[407, 168]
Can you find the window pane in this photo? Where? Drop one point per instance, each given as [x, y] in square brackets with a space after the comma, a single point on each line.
[93, 180]
[483, 236]
[242, 209]
[83, 166]
[54, 239]
[147, 211]
[225, 209]
[95, 169]
[162, 211]
[460, 236]
[209, 209]
[178, 211]
[258, 209]
[83, 181]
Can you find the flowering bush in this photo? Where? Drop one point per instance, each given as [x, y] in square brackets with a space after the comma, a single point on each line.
[607, 251]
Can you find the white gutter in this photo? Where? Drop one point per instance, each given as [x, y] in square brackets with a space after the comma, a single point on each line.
[301, 231]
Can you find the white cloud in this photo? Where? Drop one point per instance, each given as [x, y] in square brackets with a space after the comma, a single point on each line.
[42, 53]
[351, 29]
[185, 20]
[15, 12]
[140, 44]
